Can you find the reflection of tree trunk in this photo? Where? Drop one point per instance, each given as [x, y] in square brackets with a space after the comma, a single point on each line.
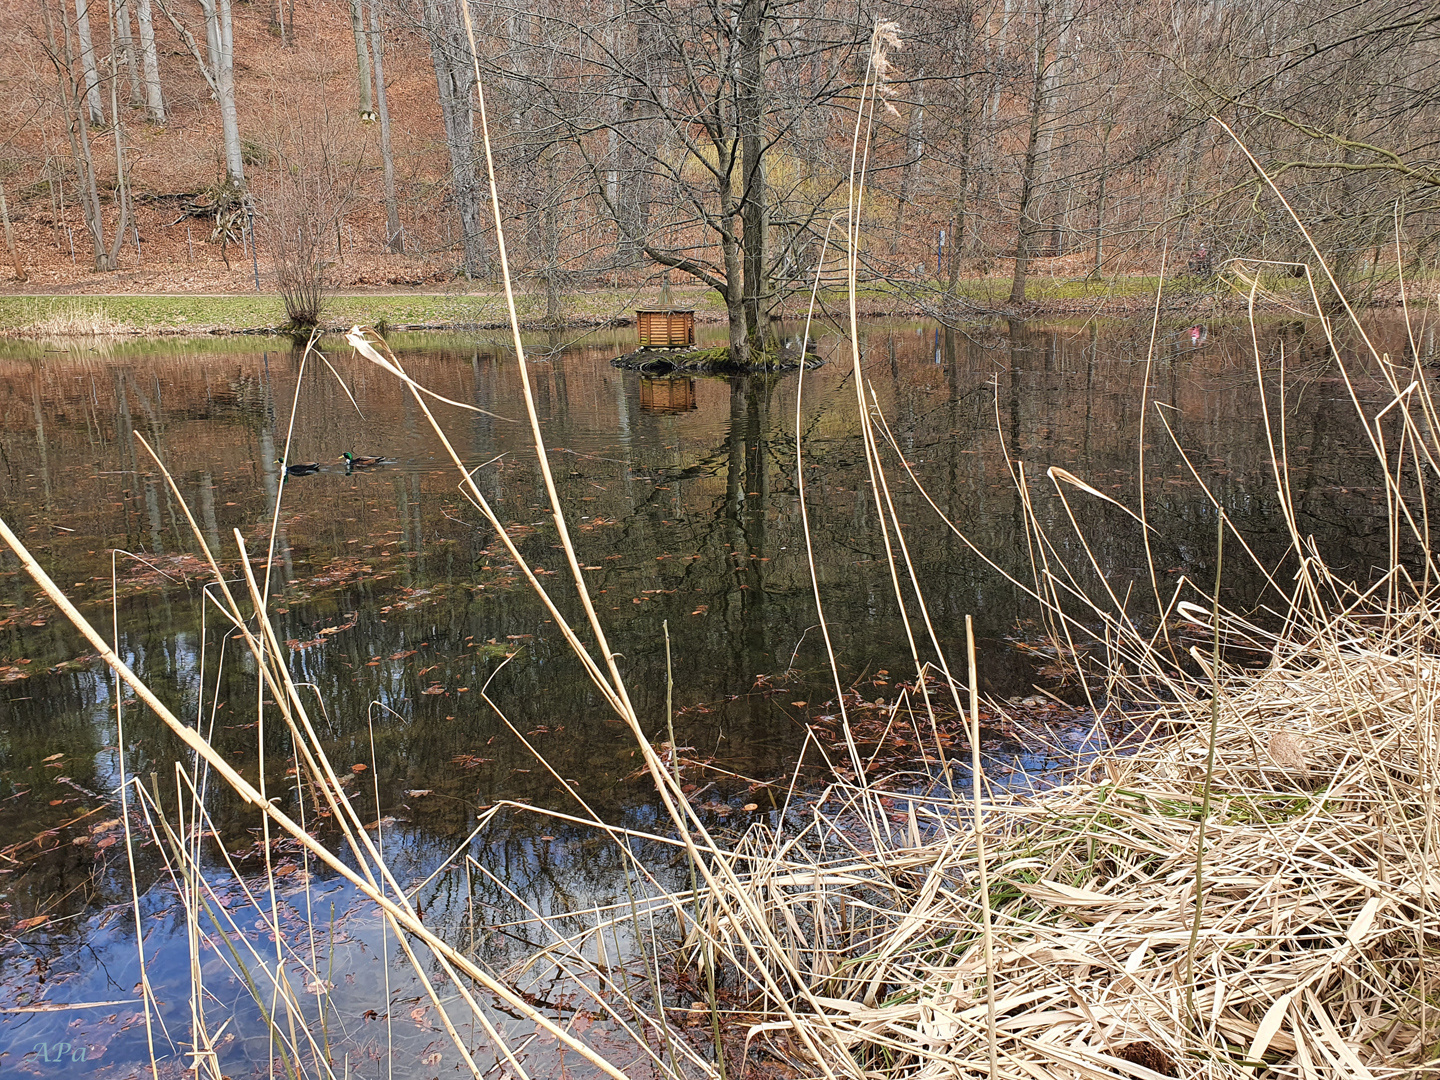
[1021, 346]
[125, 443]
[207, 510]
[40, 440]
[394, 236]
[747, 490]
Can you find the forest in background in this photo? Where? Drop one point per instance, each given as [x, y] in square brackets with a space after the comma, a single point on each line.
[146, 141]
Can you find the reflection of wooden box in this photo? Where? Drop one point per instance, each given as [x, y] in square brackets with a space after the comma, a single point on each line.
[667, 395]
[666, 329]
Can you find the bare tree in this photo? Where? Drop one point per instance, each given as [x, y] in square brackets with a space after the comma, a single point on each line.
[73, 92]
[125, 39]
[1052, 27]
[87, 62]
[20, 274]
[455, 81]
[395, 235]
[362, 59]
[1340, 110]
[154, 102]
[695, 99]
[218, 68]
[301, 204]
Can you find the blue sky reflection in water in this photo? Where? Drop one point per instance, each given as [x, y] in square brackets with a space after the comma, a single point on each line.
[388, 589]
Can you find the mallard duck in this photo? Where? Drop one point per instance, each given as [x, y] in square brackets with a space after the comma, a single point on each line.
[299, 468]
[353, 462]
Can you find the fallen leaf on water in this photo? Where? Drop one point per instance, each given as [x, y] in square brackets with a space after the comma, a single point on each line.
[358, 768]
[54, 757]
[30, 924]
[420, 793]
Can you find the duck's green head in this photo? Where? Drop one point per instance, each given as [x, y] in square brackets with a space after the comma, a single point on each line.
[347, 456]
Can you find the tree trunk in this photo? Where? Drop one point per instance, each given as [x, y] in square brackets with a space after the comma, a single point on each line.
[1100, 193]
[87, 62]
[914, 151]
[455, 81]
[362, 61]
[127, 51]
[212, 44]
[154, 103]
[735, 298]
[550, 238]
[750, 105]
[966, 119]
[218, 67]
[225, 78]
[20, 274]
[77, 130]
[1025, 225]
[394, 235]
[122, 189]
[612, 138]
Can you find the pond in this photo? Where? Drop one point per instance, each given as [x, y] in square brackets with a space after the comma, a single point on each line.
[400, 608]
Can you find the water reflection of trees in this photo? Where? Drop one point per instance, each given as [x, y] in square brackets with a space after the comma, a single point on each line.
[691, 518]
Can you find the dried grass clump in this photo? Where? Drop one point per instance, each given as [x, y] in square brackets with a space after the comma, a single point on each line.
[1316, 886]
[75, 320]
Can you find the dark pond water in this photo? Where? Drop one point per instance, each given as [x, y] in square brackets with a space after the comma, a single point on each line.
[399, 605]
